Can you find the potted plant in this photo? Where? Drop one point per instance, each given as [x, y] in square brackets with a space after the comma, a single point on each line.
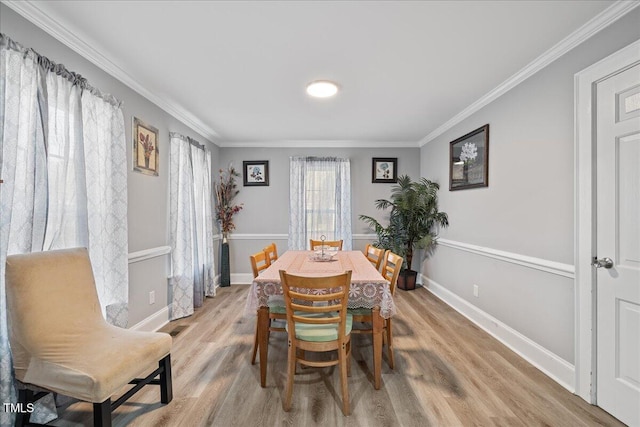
[413, 223]
[226, 190]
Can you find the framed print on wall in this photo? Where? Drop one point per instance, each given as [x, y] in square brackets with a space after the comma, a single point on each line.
[146, 155]
[469, 160]
[384, 170]
[255, 173]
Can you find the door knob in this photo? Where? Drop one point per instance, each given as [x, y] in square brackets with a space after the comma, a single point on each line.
[602, 262]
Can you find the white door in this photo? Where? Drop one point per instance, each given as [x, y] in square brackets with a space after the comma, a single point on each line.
[618, 245]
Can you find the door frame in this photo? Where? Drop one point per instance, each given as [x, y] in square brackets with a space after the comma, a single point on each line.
[585, 214]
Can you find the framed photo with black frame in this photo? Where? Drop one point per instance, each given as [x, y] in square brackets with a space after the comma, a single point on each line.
[255, 173]
[469, 160]
[384, 170]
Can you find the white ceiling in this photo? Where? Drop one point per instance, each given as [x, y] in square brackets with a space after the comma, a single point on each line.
[237, 71]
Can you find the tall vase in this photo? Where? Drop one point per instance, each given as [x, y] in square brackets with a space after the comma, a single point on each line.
[225, 270]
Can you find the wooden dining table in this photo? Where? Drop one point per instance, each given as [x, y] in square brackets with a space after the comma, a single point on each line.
[368, 289]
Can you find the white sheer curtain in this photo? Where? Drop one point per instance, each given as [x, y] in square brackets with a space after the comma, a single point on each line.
[319, 201]
[71, 193]
[105, 165]
[191, 225]
[23, 192]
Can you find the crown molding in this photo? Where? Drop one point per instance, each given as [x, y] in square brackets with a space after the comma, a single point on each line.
[318, 143]
[34, 14]
[595, 25]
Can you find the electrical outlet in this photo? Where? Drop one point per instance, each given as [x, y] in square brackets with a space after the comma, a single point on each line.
[152, 297]
[476, 291]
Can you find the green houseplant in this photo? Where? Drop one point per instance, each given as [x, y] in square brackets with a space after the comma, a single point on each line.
[414, 220]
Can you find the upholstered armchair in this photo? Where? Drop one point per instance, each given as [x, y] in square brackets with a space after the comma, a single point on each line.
[61, 343]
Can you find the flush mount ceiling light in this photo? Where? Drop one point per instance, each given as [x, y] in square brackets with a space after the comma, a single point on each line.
[322, 89]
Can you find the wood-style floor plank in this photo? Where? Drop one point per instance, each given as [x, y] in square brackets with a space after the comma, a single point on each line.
[448, 373]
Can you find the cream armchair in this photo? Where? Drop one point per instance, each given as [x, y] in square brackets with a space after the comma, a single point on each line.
[60, 341]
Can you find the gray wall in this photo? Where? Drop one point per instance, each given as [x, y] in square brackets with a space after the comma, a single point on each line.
[528, 207]
[148, 196]
[266, 209]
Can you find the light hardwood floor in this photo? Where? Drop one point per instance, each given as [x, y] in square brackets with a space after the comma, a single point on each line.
[448, 373]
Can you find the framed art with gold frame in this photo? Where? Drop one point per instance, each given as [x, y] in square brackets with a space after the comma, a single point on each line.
[146, 153]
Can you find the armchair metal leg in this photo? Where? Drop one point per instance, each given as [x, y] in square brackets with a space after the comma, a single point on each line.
[102, 414]
[166, 386]
[24, 397]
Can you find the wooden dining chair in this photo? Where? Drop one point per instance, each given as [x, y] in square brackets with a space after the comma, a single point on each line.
[374, 255]
[261, 261]
[317, 321]
[391, 266]
[316, 244]
[272, 252]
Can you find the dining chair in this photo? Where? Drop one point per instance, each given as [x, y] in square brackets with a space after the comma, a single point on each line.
[318, 321]
[61, 343]
[391, 266]
[261, 261]
[331, 243]
[374, 255]
[272, 252]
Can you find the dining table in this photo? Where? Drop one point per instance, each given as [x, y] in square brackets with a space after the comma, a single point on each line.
[368, 289]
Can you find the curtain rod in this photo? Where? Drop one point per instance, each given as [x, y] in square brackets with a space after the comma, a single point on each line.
[187, 139]
[50, 66]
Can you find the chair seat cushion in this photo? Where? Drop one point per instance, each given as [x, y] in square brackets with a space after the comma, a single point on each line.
[93, 368]
[360, 311]
[321, 333]
[277, 308]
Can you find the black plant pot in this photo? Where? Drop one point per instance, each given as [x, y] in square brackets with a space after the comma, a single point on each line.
[407, 280]
[225, 269]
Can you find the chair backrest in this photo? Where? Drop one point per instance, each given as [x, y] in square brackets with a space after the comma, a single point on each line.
[391, 267]
[259, 261]
[51, 296]
[272, 252]
[316, 300]
[374, 255]
[331, 243]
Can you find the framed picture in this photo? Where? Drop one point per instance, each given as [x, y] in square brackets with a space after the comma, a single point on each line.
[469, 160]
[146, 154]
[384, 170]
[256, 173]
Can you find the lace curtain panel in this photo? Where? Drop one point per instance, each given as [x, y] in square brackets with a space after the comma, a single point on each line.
[191, 226]
[63, 163]
[319, 201]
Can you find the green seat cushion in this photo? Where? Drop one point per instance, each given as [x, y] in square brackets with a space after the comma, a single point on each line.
[360, 311]
[277, 307]
[321, 333]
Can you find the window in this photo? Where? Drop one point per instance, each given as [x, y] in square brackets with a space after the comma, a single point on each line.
[320, 201]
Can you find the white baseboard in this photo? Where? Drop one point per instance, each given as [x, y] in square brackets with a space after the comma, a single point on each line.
[241, 278]
[551, 364]
[154, 322]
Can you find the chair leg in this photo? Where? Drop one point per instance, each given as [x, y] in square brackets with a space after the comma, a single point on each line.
[102, 414]
[342, 356]
[291, 371]
[255, 345]
[166, 384]
[24, 397]
[390, 343]
[349, 358]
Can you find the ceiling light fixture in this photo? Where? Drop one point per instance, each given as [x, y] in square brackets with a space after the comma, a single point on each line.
[322, 89]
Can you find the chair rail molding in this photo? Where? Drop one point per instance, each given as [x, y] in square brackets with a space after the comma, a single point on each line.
[256, 236]
[557, 268]
[148, 253]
